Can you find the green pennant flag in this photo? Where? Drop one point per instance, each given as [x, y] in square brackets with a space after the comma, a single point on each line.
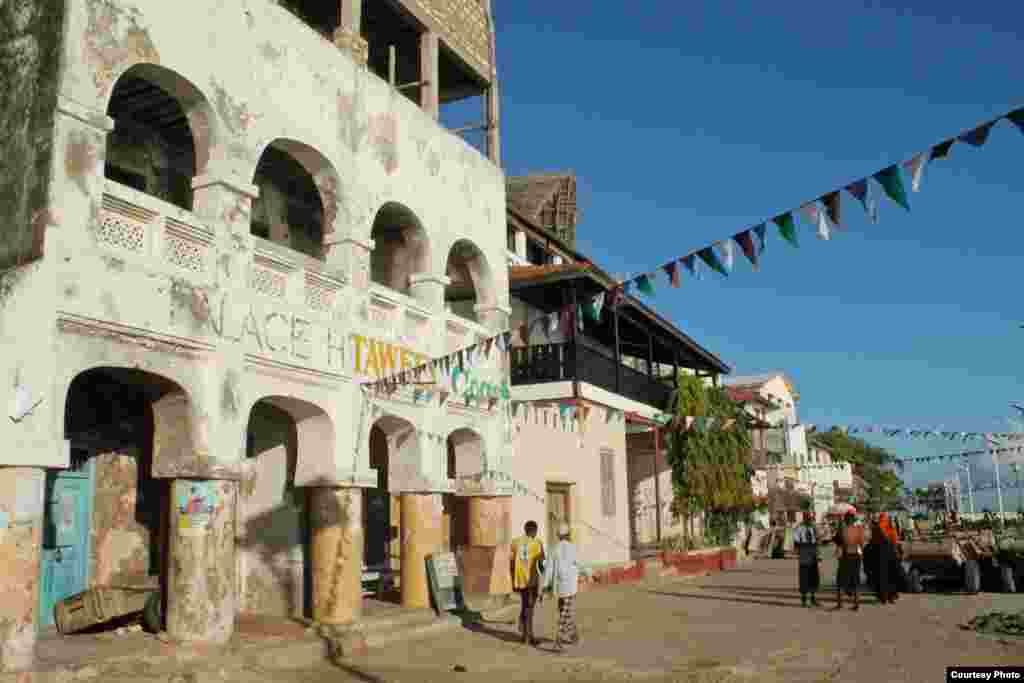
[890, 180]
[590, 310]
[644, 284]
[787, 228]
[708, 256]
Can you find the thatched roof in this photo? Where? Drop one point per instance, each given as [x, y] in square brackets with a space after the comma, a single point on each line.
[548, 199]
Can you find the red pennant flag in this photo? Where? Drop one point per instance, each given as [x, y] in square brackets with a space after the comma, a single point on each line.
[831, 204]
[672, 270]
[746, 242]
[978, 136]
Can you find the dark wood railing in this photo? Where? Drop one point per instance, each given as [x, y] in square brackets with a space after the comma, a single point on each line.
[585, 361]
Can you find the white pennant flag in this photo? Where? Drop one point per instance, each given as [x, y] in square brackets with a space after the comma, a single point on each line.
[598, 304]
[915, 167]
[824, 230]
[728, 255]
[552, 323]
[872, 203]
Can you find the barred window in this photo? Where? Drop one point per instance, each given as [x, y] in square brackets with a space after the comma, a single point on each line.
[608, 482]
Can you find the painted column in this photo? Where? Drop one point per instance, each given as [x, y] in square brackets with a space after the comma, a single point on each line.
[337, 553]
[201, 600]
[21, 527]
[485, 560]
[421, 536]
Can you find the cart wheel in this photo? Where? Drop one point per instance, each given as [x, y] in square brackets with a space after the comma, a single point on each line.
[1009, 580]
[914, 582]
[972, 576]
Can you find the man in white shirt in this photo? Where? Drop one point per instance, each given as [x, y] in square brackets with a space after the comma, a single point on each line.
[562, 577]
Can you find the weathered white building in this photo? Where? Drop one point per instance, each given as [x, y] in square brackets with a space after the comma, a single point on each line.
[218, 220]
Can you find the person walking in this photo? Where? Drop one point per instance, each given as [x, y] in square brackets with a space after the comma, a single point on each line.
[805, 538]
[849, 542]
[527, 566]
[562, 578]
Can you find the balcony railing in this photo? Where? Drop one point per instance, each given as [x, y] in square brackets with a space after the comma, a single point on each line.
[585, 361]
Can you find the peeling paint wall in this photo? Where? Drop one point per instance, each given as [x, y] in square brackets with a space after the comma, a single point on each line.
[21, 523]
[126, 542]
[30, 35]
[273, 514]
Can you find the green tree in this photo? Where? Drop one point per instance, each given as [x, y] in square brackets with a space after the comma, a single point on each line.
[711, 469]
[884, 487]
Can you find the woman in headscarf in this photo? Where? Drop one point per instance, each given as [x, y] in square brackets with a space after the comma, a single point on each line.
[883, 560]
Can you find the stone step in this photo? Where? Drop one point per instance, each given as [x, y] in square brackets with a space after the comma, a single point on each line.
[412, 631]
[399, 620]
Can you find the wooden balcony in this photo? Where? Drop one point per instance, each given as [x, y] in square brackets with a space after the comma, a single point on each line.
[586, 361]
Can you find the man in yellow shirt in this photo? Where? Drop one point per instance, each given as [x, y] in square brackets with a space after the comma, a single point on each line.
[527, 567]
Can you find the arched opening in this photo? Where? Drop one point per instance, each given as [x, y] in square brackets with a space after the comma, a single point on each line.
[400, 248]
[274, 534]
[465, 459]
[106, 517]
[290, 210]
[471, 282]
[161, 136]
[394, 454]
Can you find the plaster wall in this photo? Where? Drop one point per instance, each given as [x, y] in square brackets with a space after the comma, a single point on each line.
[548, 451]
[132, 281]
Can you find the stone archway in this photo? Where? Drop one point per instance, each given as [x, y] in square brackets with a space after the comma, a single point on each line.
[165, 133]
[465, 458]
[401, 248]
[471, 285]
[394, 453]
[289, 442]
[107, 516]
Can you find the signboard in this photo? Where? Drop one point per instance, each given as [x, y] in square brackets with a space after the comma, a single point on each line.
[445, 582]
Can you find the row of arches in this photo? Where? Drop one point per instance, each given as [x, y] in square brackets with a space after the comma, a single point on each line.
[166, 133]
[107, 517]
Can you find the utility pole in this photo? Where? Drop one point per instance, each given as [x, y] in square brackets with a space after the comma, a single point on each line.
[999, 488]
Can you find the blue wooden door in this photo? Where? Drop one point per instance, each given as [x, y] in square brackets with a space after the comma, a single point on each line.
[66, 527]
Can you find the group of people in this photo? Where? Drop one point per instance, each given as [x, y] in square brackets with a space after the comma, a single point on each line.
[535, 572]
[878, 557]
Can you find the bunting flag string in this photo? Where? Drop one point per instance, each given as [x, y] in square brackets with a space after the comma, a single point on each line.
[823, 219]
[921, 459]
[893, 432]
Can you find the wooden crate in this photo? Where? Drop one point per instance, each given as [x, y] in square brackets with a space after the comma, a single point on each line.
[98, 605]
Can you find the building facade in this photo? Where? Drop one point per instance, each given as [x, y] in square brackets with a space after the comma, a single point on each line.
[220, 220]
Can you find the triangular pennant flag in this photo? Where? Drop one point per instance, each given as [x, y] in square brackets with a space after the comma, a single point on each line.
[824, 231]
[859, 191]
[831, 202]
[589, 308]
[645, 285]
[915, 167]
[762, 237]
[708, 256]
[689, 422]
[872, 205]
[978, 136]
[941, 150]
[579, 317]
[728, 256]
[810, 212]
[672, 270]
[626, 287]
[554, 319]
[890, 180]
[462, 359]
[598, 304]
[1016, 117]
[690, 263]
[787, 228]
[746, 243]
[565, 322]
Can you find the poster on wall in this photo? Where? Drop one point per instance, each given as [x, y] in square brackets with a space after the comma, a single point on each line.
[196, 507]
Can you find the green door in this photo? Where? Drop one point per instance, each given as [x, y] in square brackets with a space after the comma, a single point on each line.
[66, 526]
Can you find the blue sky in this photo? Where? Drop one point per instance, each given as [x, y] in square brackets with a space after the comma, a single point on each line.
[688, 122]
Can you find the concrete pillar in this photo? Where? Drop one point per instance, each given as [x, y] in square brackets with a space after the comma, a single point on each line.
[202, 600]
[430, 74]
[21, 530]
[351, 256]
[485, 560]
[429, 289]
[337, 554]
[421, 536]
[347, 36]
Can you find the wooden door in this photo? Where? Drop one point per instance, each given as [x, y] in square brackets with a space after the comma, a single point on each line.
[64, 563]
[558, 511]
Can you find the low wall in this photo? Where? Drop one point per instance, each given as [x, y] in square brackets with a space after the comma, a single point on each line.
[693, 563]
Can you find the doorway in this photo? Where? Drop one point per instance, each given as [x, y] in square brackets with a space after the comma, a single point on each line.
[64, 563]
[559, 509]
